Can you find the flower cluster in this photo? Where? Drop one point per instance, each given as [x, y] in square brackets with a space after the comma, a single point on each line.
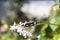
[25, 29]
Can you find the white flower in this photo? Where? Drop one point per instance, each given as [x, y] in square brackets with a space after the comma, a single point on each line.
[14, 23]
[12, 28]
[20, 22]
[18, 29]
[29, 34]
[20, 33]
[21, 29]
[25, 23]
[24, 35]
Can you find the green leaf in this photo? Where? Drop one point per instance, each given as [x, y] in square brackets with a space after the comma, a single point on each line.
[57, 20]
[43, 38]
[20, 38]
[58, 30]
[43, 29]
[53, 24]
[37, 30]
[49, 32]
[53, 27]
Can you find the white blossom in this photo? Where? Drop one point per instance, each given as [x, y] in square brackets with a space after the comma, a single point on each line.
[13, 27]
[24, 35]
[25, 32]
[20, 33]
[14, 23]
[20, 23]
[25, 22]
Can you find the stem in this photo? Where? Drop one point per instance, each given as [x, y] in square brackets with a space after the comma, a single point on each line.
[47, 23]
